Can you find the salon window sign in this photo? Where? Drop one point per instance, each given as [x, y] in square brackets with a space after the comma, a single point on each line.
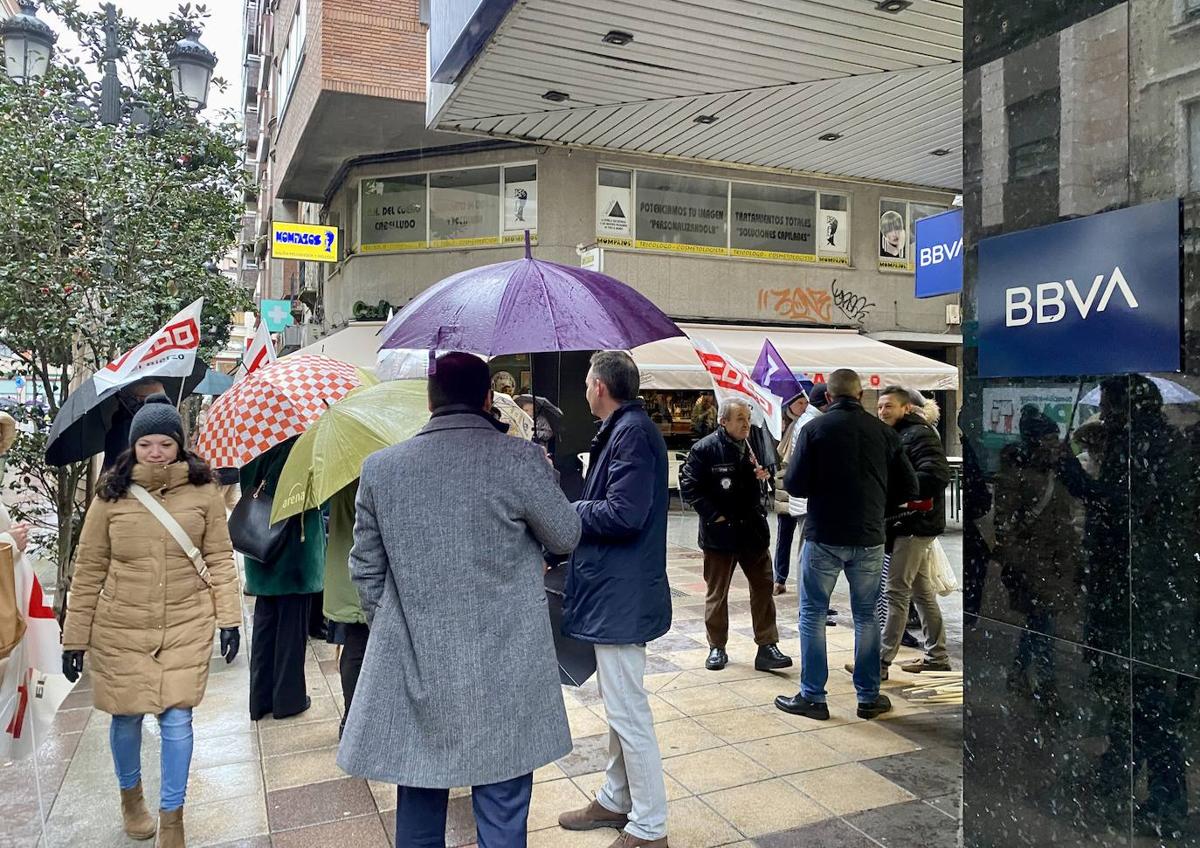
[1092, 296]
[682, 214]
[393, 214]
[772, 222]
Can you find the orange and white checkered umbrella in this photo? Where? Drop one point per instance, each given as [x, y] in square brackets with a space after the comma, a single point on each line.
[271, 405]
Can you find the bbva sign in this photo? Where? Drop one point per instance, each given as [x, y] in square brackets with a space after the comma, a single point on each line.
[939, 254]
[1051, 304]
[1090, 296]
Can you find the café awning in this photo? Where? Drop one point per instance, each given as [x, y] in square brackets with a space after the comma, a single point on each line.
[811, 353]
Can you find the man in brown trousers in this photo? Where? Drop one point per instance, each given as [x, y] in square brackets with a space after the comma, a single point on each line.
[723, 482]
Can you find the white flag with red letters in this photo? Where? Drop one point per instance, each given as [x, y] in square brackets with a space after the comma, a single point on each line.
[32, 688]
[171, 352]
[731, 379]
[260, 352]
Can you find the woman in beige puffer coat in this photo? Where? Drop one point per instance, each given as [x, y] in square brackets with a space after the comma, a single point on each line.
[145, 614]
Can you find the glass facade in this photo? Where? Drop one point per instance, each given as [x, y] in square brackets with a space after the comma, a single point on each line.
[1082, 537]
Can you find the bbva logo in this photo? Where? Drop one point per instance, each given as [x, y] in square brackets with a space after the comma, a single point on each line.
[1047, 301]
[939, 253]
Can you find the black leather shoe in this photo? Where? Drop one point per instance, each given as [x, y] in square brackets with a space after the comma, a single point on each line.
[717, 659]
[802, 707]
[771, 658]
[882, 704]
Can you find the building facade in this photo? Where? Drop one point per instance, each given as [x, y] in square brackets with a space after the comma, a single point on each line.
[342, 140]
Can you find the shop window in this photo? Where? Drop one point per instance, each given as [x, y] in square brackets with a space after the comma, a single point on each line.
[1193, 145]
[682, 214]
[833, 229]
[773, 222]
[394, 214]
[897, 231]
[464, 208]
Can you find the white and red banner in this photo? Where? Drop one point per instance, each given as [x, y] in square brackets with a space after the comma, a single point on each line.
[171, 352]
[33, 687]
[731, 379]
[260, 352]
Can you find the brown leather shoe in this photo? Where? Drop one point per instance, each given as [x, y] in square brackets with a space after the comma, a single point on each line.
[170, 829]
[138, 824]
[628, 840]
[591, 817]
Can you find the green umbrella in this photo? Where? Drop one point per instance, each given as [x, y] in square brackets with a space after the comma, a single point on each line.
[330, 454]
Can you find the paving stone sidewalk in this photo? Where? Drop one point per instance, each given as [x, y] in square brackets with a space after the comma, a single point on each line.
[738, 771]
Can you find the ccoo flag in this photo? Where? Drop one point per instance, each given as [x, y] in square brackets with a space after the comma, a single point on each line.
[260, 352]
[171, 352]
[771, 371]
[731, 380]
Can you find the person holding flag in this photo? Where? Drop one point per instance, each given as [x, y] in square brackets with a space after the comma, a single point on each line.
[722, 479]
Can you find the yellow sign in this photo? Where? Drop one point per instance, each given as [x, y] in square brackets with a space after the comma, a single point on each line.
[304, 241]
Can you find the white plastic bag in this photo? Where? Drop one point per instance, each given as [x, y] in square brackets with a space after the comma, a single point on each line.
[941, 574]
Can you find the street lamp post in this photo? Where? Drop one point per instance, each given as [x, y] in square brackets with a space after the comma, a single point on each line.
[29, 43]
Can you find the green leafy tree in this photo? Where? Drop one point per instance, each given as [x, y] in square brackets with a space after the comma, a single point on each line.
[109, 233]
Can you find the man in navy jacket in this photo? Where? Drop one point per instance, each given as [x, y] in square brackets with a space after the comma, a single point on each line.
[618, 598]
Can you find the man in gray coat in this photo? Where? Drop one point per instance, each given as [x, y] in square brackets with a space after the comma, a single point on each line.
[459, 686]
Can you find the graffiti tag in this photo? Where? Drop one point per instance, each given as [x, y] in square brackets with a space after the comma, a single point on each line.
[798, 304]
[854, 306]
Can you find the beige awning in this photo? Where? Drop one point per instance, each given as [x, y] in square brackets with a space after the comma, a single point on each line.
[357, 344]
[672, 363]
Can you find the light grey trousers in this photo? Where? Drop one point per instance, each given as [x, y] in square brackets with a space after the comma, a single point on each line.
[908, 580]
[633, 783]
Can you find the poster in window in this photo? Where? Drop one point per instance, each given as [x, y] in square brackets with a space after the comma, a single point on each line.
[464, 208]
[393, 214]
[773, 222]
[917, 211]
[520, 203]
[833, 229]
[614, 208]
[893, 235]
[682, 214]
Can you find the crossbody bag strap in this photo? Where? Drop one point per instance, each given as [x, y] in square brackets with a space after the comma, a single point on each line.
[172, 526]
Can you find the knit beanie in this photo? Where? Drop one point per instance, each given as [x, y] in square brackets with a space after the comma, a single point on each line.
[157, 417]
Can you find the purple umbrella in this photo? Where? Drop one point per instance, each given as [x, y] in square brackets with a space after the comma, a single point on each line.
[528, 306]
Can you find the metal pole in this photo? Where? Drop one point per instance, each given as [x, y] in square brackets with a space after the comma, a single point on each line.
[110, 85]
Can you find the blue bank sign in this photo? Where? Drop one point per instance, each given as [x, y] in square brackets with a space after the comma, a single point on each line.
[1097, 295]
[940, 254]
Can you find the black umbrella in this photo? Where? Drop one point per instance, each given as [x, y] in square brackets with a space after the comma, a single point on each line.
[576, 659]
[80, 426]
[542, 406]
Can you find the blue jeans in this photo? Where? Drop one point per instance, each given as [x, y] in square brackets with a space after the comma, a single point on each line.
[125, 739]
[820, 566]
[785, 532]
[501, 814]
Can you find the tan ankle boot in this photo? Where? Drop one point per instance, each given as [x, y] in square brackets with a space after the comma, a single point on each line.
[170, 829]
[138, 823]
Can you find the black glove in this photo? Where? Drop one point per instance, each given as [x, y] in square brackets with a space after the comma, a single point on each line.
[72, 665]
[231, 640]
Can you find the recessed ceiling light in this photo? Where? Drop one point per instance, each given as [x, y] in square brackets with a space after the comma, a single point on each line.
[829, 137]
[892, 7]
[705, 119]
[617, 37]
[556, 96]
[941, 151]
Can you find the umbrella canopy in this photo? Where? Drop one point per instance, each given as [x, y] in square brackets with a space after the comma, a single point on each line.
[330, 454]
[576, 659]
[1171, 392]
[542, 406]
[273, 404]
[79, 428]
[214, 383]
[527, 306]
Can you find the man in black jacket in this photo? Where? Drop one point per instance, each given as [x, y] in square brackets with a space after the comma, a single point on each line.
[912, 531]
[850, 466]
[724, 481]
